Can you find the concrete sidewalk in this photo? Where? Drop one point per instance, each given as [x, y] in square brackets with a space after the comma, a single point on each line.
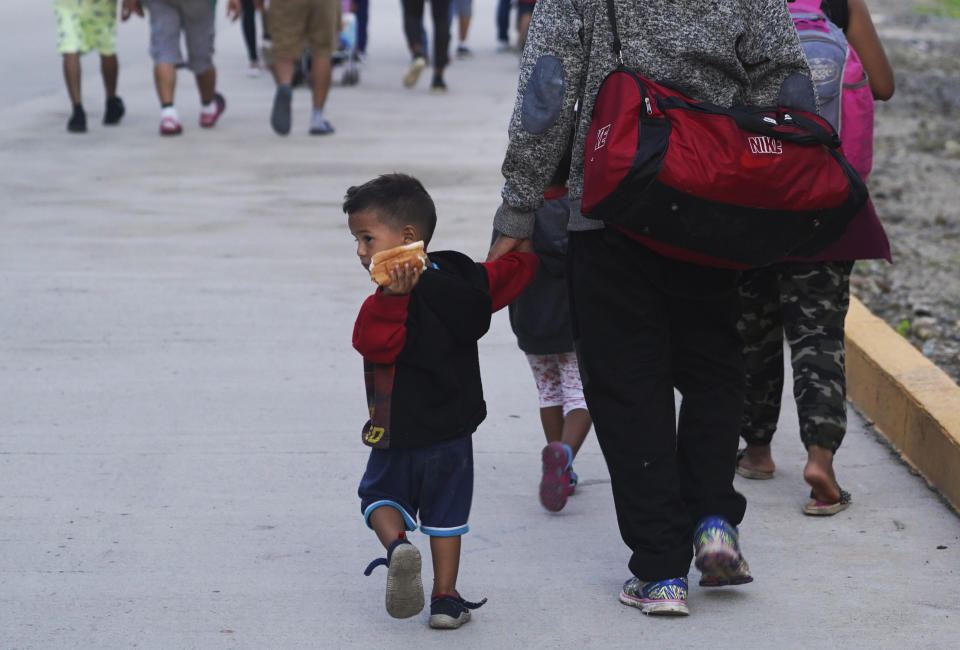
[181, 407]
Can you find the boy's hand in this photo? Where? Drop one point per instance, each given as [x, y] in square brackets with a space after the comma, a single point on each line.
[402, 280]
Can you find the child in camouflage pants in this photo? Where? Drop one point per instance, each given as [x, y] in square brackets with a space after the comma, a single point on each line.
[808, 302]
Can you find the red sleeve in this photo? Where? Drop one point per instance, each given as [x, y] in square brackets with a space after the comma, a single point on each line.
[508, 276]
[380, 331]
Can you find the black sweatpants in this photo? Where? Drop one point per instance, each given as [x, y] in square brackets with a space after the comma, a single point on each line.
[643, 326]
[413, 29]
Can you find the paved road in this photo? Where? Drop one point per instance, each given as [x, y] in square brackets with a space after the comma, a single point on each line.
[181, 407]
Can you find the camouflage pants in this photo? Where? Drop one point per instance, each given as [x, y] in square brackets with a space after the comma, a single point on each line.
[808, 302]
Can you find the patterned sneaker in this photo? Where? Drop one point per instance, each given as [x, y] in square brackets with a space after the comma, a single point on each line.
[404, 586]
[170, 125]
[663, 598]
[717, 546]
[448, 612]
[574, 479]
[555, 483]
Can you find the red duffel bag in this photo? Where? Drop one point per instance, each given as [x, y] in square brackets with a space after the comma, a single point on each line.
[737, 187]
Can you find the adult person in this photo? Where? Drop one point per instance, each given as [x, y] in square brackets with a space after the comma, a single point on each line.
[295, 24]
[249, 25]
[84, 25]
[503, 25]
[416, 41]
[195, 19]
[644, 324]
[807, 301]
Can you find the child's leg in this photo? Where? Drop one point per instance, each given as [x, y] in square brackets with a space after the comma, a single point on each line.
[71, 75]
[387, 523]
[551, 417]
[446, 564]
[576, 426]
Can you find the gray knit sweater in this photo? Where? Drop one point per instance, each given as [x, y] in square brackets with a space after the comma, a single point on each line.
[722, 51]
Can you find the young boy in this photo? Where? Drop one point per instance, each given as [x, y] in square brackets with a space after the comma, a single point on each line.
[418, 337]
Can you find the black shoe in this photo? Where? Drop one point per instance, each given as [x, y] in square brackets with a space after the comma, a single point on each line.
[78, 121]
[438, 87]
[449, 612]
[404, 596]
[114, 111]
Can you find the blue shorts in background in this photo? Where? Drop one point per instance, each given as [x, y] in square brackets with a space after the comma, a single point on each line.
[434, 482]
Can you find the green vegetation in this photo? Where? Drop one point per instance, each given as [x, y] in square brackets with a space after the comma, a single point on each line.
[903, 327]
[944, 8]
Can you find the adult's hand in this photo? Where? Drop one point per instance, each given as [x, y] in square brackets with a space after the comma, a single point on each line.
[131, 7]
[234, 9]
[259, 5]
[503, 245]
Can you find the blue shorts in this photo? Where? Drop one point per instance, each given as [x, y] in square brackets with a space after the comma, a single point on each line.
[434, 481]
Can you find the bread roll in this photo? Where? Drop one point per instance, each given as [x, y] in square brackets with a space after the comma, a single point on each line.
[382, 262]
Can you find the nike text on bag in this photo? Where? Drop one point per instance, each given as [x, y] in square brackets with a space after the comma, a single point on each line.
[737, 187]
[843, 89]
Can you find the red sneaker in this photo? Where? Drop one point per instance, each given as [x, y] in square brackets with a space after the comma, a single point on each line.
[170, 125]
[207, 120]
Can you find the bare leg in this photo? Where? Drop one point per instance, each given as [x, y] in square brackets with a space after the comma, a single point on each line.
[464, 25]
[551, 417]
[446, 564]
[207, 85]
[523, 24]
[575, 428]
[819, 474]
[110, 70]
[759, 458]
[387, 523]
[321, 72]
[71, 75]
[282, 70]
[165, 78]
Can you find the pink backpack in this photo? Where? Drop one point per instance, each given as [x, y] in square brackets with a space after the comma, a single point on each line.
[846, 100]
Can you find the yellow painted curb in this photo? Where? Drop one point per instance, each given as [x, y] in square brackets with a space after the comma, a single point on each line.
[912, 402]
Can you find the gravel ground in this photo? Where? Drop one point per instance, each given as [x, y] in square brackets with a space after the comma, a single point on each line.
[915, 185]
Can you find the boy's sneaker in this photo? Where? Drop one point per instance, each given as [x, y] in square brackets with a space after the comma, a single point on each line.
[280, 114]
[413, 73]
[555, 482]
[78, 121]
[404, 587]
[716, 543]
[114, 111]
[663, 597]
[448, 612]
[207, 120]
[320, 127]
[463, 52]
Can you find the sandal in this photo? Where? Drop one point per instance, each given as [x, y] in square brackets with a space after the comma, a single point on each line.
[755, 474]
[816, 508]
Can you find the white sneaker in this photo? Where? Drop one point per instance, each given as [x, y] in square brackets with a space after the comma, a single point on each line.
[413, 73]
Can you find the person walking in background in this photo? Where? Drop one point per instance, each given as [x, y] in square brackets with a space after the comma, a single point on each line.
[524, 14]
[195, 19]
[249, 25]
[84, 25]
[807, 300]
[362, 10]
[295, 24]
[503, 25]
[644, 324]
[414, 32]
[540, 319]
[464, 12]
